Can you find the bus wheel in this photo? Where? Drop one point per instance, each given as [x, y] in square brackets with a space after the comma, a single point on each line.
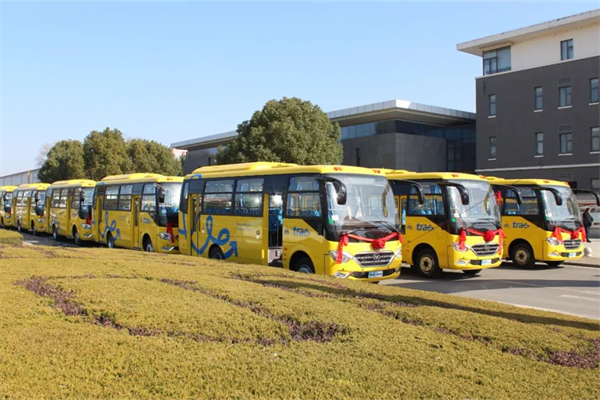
[471, 272]
[55, 233]
[554, 263]
[216, 254]
[76, 237]
[148, 246]
[522, 255]
[427, 264]
[110, 241]
[305, 266]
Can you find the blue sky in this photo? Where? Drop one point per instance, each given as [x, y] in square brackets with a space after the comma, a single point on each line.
[176, 71]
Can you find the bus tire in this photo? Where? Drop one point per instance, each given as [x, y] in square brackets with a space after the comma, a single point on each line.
[110, 241]
[428, 264]
[471, 272]
[216, 253]
[148, 246]
[55, 233]
[554, 263]
[304, 266]
[522, 255]
[76, 237]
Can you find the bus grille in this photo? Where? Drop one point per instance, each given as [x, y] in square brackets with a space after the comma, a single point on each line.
[486, 249]
[375, 259]
[572, 244]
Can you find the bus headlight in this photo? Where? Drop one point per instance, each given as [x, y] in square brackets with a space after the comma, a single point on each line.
[345, 256]
[164, 236]
[86, 226]
[465, 248]
[398, 253]
[553, 241]
[341, 274]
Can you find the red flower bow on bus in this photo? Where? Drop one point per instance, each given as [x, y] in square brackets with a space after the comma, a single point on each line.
[377, 244]
[170, 231]
[556, 233]
[488, 236]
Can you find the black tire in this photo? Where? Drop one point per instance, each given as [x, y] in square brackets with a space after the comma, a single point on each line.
[554, 263]
[110, 241]
[471, 272]
[427, 264]
[55, 235]
[216, 253]
[34, 229]
[522, 255]
[76, 237]
[304, 265]
[148, 246]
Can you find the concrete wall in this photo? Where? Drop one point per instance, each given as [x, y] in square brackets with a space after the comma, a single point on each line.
[516, 122]
[19, 178]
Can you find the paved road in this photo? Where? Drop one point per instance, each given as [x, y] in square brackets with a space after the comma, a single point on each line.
[570, 289]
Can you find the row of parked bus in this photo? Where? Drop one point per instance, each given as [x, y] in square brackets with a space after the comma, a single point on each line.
[348, 222]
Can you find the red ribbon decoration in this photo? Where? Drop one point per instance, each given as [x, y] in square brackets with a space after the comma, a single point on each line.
[170, 231]
[88, 220]
[377, 244]
[498, 198]
[556, 233]
[488, 236]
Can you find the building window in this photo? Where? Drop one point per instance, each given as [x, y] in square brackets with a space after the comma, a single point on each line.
[566, 143]
[495, 61]
[595, 184]
[564, 94]
[594, 90]
[595, 136]
[539, 101]
[358, 157]
[566, 49]
[492, 105]
[539, 144]
[492, 148]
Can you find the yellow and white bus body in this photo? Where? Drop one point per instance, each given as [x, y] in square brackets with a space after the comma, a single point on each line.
[28, 201]
[295, 217]
[545, 227]
[456, 227]
[6, 204]
[70, 206]
[138, 211]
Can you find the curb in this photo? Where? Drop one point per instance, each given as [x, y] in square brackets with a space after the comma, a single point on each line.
[583, 264]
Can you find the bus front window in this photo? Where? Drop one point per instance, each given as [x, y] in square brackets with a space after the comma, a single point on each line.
[369, 210]
[85, 207]
[41, 201]
[8, 202]
[566, 215]
[482, 212]
[169, 209]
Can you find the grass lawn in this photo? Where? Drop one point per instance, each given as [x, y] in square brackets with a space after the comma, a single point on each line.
[10, 238]
[99, 323]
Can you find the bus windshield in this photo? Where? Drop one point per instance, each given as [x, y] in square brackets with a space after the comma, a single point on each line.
[482, 212]
[169, 209]
[369, 210]
[8, 201]
[566, 215]
[39, 205]
[86, 204]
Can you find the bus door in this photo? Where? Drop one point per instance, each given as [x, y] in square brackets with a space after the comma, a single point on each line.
[184, 220]
[97, 214]
[136, 202]
[274, 226]
[194, 226]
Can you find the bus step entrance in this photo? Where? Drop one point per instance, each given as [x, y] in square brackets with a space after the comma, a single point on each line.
[275, 257]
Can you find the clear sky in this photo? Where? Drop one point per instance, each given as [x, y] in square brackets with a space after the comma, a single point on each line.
[177, 71]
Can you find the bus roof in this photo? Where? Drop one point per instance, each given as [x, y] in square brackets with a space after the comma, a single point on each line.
[74, 182]
[525, 182]
[274, 168]
[7, 188]
[140, 177]
[415, 176]
[36, 186]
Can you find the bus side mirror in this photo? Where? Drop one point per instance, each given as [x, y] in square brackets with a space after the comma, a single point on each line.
[161, 194]
[82, 196]
[36, 197]
[342, 194]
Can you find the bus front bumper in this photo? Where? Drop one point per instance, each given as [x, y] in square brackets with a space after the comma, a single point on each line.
[560, 252]
[354, 271]
[469, 260]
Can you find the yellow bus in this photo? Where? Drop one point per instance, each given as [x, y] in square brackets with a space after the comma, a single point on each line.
[333, 220]
[28, 206]
[138, 211]
[546, 226]
[449, 221]
[70, 210]
[6, 199]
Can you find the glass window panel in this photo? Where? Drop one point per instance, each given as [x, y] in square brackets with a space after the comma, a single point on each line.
[492, 104]
[149, 203]
[249, 185]
[303, 183]
[303, 205]
[217, 203]
[222, 186]
[566, 144]
[111, 198]
[504, 62]
[149, 188]
[248, 204]
[539, 98]
[492, 147]
[539, 143]
[594, 90]
[595, 133]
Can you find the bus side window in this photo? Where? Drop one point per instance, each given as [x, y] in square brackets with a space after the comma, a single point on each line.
[403, 216]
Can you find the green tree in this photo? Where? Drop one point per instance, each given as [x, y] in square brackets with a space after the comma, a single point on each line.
[288, 130]
[151, 156]
[105, 153]
[63, 161]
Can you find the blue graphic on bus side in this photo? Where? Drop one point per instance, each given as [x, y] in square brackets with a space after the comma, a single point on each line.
[112, 228]
[220, 240]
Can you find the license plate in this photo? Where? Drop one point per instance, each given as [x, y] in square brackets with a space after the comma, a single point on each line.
[571, 255]
[375, 274]
[486, 262]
